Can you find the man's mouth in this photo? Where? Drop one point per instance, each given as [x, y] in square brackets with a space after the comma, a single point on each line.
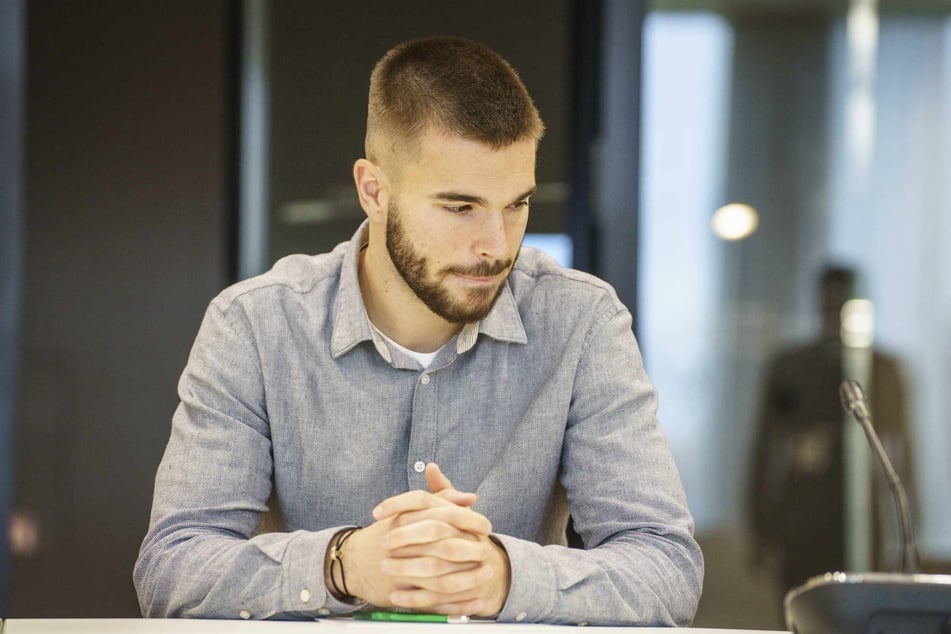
[483, 270]
[477, 279]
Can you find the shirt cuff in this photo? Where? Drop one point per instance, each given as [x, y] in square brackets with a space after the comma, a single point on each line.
[532, 592]
[304, 588]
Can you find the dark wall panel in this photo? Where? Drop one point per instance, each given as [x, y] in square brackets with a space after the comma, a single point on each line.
[126, 230]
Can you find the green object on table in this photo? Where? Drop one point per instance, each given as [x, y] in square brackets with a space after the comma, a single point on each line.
[409, 617]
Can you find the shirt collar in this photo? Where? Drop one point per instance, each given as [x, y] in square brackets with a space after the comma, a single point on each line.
[352, 325]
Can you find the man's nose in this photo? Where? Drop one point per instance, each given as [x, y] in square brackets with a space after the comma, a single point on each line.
[492, 241]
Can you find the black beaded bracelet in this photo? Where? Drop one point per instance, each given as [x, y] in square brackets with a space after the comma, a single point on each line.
[336, 559]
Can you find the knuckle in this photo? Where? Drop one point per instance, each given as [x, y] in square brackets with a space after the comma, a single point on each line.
[446, 585]
[396, 522]
[431, 567]
[448, 548]
[433, 530]
[463, 550]
[402, 567]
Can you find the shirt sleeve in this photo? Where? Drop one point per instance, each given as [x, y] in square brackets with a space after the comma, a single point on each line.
[201, 556]
[641, 564]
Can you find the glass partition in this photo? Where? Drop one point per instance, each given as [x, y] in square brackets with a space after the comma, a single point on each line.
[830, 123]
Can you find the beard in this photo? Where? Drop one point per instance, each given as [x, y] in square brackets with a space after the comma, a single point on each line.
[431, 287]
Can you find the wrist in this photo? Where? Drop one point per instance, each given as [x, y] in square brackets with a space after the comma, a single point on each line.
[501, 578]
[336, 566]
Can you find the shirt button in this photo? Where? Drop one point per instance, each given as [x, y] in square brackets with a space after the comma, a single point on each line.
[244, 614]
[419, 467]
[424, 379]
[323, 611]
[305, 595]
[520, 616]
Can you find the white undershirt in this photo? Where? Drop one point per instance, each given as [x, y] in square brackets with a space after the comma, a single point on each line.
[424, 358]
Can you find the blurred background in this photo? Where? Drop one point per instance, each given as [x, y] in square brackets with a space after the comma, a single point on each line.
[737, 169]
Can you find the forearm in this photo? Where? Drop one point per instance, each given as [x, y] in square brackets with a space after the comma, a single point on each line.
[209, 574]
[632, 580]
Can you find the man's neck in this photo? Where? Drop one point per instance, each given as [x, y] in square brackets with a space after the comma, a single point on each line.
[395, 309]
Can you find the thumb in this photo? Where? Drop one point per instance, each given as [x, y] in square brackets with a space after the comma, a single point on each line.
[440, 485]
[436, 479]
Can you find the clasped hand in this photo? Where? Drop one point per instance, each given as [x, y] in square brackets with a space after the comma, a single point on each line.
[429, 551]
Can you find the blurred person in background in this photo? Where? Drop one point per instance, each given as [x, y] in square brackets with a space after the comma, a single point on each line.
[796, 489]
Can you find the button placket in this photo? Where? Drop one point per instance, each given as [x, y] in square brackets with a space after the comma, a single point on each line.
[422, 428]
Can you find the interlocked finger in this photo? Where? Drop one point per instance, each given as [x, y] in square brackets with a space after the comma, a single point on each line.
[460, 517]
[423, 532]
[463, 608]
[447, 589]
[464, 549]
[410, 569]
[410, 501]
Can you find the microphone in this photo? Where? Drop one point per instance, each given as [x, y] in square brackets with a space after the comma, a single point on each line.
[855, 403]
[880, 602]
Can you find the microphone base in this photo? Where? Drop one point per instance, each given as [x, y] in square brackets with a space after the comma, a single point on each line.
[870, 602]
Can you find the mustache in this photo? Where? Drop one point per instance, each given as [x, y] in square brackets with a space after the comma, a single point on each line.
[483, 269]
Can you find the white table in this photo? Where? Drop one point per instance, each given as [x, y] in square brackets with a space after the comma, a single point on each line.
[322, 626]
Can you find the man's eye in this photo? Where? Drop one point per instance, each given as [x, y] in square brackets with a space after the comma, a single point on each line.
[522, 204]
[457, 209]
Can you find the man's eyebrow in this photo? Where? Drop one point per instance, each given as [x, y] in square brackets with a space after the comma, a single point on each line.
[476, 200]
[458, 197]
[527, 194]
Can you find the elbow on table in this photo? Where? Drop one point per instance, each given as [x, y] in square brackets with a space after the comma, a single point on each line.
[146, 577]
[685, 608]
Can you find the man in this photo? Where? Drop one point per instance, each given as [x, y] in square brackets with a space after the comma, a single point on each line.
[335, 384]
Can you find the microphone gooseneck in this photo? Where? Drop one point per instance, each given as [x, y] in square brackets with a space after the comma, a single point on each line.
[855, 403]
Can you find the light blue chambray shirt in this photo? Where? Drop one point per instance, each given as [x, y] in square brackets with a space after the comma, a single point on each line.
[541, 406]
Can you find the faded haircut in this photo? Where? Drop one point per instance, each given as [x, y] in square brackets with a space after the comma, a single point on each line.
[451, 85]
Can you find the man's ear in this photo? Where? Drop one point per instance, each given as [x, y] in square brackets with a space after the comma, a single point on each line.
[372, 188]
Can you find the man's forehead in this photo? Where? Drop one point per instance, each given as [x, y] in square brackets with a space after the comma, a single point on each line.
[446, 163]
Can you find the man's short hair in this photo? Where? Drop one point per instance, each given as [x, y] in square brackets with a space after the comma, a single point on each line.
[451, 85]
